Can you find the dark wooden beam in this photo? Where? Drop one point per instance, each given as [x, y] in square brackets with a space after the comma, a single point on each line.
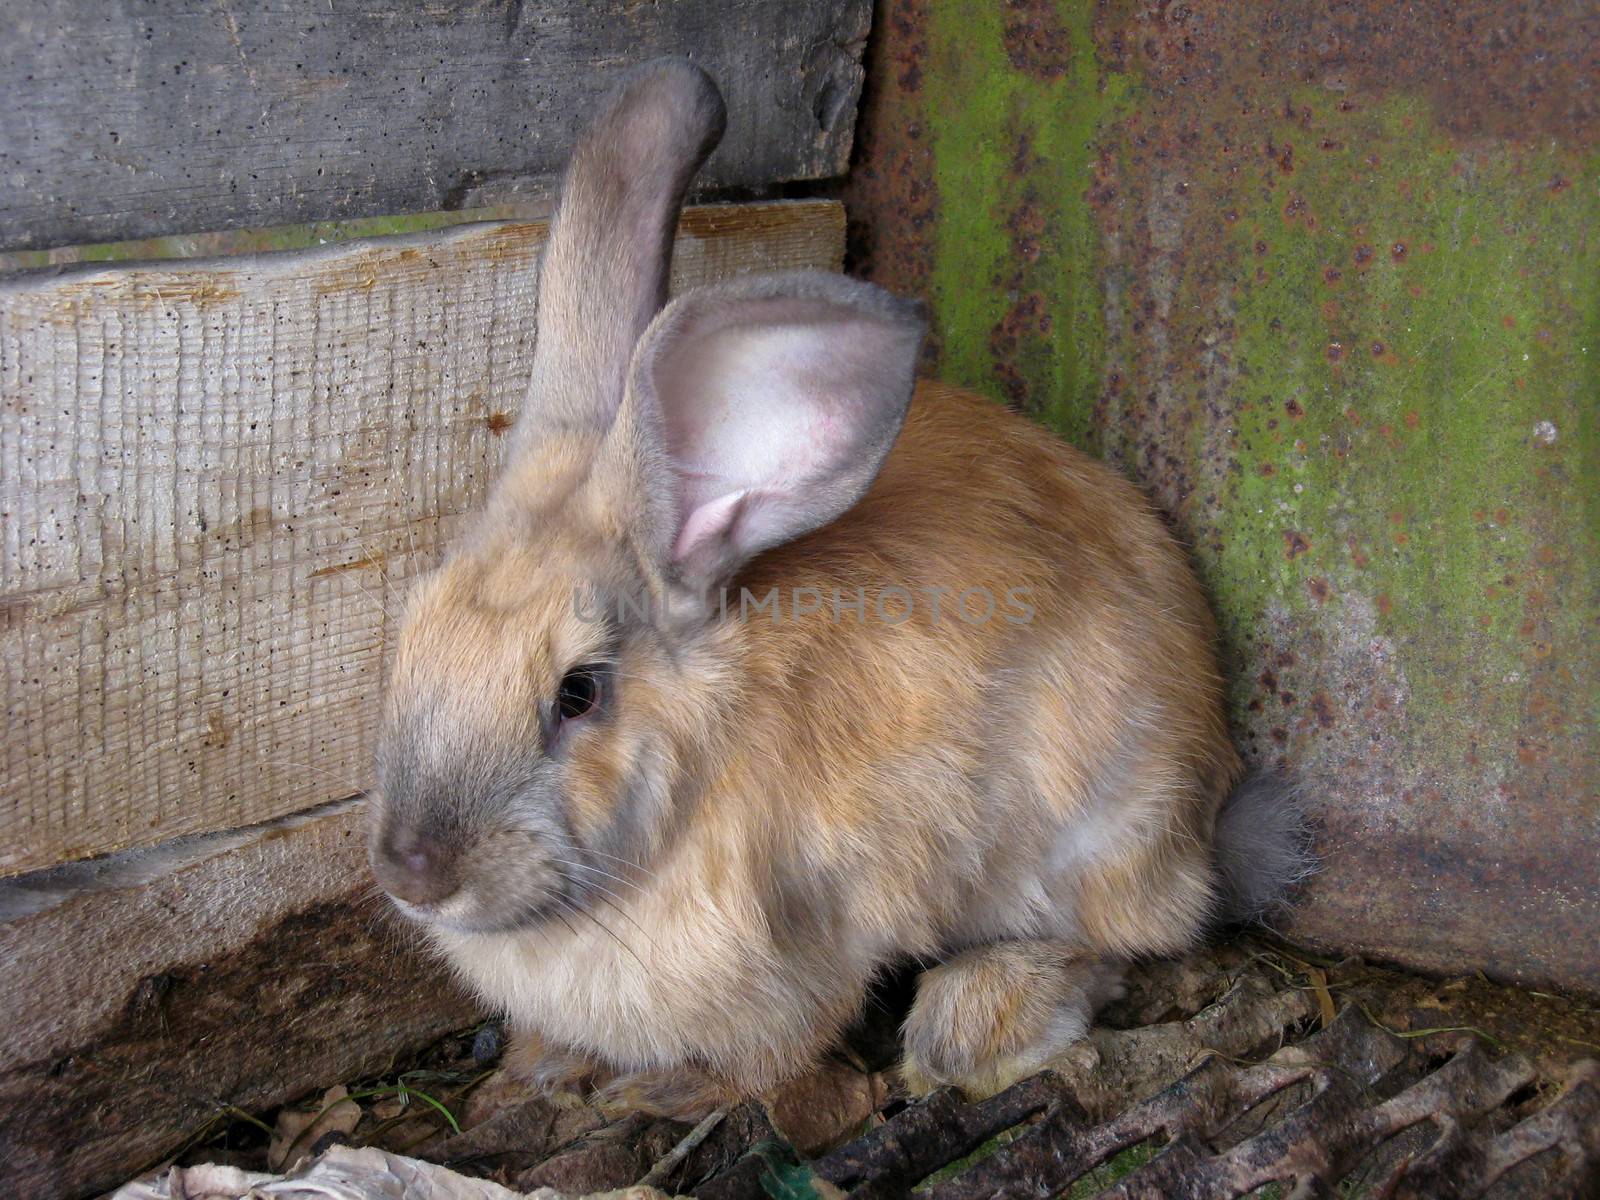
[144, 999]
[180, 116]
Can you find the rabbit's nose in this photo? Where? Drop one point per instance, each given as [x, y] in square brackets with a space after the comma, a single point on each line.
[415, 868]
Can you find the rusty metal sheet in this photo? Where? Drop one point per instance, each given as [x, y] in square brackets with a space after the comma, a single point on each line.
[1326, 279]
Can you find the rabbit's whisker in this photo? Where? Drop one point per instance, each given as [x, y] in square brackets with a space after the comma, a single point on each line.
[626, 862]
[557, 914]
[582, 866]
[601, 894]
[602, 927]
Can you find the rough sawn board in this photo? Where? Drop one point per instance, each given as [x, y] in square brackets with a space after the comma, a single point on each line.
[216, 478]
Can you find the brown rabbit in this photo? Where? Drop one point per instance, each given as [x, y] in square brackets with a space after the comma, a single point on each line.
[765, 668]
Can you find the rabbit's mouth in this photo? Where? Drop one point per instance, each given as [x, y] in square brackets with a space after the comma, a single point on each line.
[505, 882]
[473, 911]
[574, 892]
[463, 914]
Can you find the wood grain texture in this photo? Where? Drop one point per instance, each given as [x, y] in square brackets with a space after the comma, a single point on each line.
[185, 115]
[134, 1015]
[215, 480]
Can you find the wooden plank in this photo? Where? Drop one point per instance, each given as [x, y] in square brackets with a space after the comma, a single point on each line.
[134, 1014]
[214, 480]
[190, 115]
[267, 239]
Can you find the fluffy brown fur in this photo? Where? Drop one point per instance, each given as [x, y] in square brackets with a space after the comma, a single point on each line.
[682, 898]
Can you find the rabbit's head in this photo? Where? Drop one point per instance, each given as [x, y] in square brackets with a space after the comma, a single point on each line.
[559, 671]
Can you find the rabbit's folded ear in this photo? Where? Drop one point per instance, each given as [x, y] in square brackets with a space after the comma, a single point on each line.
[764, 408]
[605, 268]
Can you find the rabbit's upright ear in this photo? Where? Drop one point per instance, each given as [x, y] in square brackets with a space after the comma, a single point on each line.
[763, 409]
[605, 268]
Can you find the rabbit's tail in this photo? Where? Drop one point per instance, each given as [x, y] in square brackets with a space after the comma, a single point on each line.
[1263, 849]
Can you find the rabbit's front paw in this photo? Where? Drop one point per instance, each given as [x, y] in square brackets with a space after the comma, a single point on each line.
[998, 1013]
[551, 1068]
[681, 1093]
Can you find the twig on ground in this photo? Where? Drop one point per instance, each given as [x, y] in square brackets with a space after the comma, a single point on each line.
[670, 1160]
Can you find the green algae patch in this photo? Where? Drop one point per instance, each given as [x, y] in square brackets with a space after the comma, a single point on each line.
[1352, 355]
[1015, 103]
[1413, 421]
[1331, 294]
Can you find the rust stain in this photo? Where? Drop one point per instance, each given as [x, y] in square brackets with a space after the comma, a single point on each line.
[891, 200]
[1322, 709]
[1026, 320]
[1488, 68]
[499, 422]
[1036, 42]
[1027, 225]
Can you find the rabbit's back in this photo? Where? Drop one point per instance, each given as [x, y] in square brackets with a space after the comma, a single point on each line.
[1035, 743]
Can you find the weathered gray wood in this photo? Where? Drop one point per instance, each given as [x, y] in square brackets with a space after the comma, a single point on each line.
[133, 1015]
[175, 116]
[216, 478]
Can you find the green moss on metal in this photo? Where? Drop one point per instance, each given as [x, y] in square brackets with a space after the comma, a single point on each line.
[1342, 319]
[1353, 354]
[1016, 247]
[1414, 419]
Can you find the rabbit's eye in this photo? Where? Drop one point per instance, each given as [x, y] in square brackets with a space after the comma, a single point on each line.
[580, 692]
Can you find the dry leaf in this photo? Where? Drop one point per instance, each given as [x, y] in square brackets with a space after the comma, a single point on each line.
[388, 1108]
[818, 1111]
[297, 1130]
[1319, 986]
[500, 1091]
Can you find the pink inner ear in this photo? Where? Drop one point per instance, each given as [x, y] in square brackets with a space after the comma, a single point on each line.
[776, 402]
[761, 419]
[707, 527]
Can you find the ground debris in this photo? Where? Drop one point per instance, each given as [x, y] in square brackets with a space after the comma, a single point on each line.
[1248, 1066]
[819, 1111]
[299, 1132]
